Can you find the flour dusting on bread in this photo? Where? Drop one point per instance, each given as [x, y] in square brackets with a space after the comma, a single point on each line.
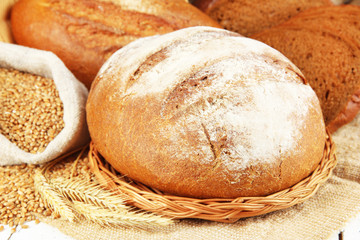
[205, 112]
[262, 104]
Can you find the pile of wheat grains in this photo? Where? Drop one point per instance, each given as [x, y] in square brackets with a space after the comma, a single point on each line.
[20, 202]
[18, 199]
[31, 115]
[31, 111]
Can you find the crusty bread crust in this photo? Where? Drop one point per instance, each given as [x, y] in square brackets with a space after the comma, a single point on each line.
[234, 119]
[84, 33]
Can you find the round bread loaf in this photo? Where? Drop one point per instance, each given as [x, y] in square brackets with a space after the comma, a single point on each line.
[84, 33]
[204, 112]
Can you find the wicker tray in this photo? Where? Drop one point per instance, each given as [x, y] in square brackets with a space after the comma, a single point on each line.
[220, 210]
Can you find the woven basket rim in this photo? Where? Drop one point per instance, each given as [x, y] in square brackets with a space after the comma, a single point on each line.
[216, 209]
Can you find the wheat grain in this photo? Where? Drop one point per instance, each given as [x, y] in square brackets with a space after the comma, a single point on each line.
[31, 111]
[17, 194]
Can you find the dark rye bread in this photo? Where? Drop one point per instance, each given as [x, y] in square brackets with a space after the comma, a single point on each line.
[84, 33]
[337, 18]
[332, 18]
[324, 43]
[248, 17]
[235, 119]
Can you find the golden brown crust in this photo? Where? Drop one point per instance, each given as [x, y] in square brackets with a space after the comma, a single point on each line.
[85, 33]
[162, 137]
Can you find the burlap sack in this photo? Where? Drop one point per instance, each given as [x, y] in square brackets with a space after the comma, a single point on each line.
[72, 93]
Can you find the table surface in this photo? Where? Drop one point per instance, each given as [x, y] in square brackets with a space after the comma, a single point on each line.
[44, 231]
[34, 231]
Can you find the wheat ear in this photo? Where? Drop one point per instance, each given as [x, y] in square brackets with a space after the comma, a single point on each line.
[102, 206]
[51, 198]
[88, 192]
[107, 217]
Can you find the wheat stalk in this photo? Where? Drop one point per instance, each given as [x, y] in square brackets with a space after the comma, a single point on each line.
[52, 199]
[88, 192]
[76, 198]
[107, 217]
[102, 206]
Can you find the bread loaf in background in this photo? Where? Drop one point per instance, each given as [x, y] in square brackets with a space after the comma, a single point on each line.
[248, 17]
[84, 33]
[206, 113]
[324, 43]
[5, 32]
